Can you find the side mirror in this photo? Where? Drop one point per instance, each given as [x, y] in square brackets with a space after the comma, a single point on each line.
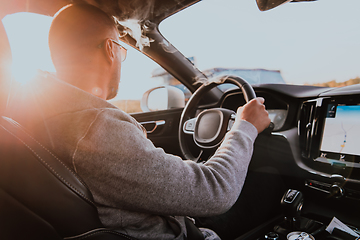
[162, 98]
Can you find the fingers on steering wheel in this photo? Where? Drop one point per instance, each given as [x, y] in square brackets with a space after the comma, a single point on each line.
[260, 99]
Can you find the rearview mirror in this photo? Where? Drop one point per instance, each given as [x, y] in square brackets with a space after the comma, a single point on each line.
[162, 98]
[265, 5]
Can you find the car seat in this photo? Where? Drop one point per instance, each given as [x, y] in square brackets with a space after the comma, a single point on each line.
[41, 198]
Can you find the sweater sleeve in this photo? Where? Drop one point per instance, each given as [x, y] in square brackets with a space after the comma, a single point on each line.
[124, 170]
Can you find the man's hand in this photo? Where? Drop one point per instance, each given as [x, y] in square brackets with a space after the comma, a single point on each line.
[254, 112]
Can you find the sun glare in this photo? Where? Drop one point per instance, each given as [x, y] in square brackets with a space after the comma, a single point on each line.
[28, 37]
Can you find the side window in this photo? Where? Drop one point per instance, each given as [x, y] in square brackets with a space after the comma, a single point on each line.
[28, 37]
[139, 74]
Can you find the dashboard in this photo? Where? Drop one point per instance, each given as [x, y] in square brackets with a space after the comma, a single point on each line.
[328, 122]
[301, 153]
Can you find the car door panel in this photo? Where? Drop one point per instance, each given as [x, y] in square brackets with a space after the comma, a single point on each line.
[162, 128]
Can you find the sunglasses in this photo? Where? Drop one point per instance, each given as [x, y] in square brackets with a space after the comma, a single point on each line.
[122, 49]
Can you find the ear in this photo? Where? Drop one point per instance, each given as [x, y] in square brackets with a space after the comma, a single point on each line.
[109, 50]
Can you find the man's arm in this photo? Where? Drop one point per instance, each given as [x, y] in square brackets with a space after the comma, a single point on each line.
[124, 170]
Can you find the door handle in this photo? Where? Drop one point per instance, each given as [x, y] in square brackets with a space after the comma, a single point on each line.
[151, 126]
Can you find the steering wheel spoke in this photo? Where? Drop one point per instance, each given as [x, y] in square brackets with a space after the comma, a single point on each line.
[199, 157]
[204, 155]
[231, 121]
[189, 126]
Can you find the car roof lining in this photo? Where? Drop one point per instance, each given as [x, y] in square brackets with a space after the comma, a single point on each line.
[151, 10]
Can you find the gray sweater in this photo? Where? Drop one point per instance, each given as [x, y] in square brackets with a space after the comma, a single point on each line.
[136, 186]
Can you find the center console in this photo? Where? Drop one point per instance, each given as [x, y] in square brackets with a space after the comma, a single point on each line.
[291, 225]
[329, 130]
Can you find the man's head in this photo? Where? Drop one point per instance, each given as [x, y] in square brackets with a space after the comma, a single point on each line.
[82, 47]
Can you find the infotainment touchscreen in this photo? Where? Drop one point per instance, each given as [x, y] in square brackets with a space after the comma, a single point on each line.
[340, 140]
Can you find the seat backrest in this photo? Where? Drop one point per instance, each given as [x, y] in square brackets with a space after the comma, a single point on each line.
[38, 193]
[40, 198]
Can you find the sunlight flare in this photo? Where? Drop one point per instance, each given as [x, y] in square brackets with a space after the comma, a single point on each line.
[28, 37]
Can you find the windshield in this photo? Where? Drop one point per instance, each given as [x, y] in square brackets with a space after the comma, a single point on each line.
[309, 43]
[313, 43]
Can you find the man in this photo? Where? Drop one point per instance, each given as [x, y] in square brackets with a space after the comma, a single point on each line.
[137, 188]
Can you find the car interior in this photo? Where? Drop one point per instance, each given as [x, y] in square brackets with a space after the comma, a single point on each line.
[301, 183]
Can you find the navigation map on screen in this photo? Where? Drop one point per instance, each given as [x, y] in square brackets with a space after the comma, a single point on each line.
[342, 130]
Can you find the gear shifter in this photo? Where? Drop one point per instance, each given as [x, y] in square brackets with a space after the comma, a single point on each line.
[291, 204]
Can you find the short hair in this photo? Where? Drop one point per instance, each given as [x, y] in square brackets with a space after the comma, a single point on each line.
[77, 27]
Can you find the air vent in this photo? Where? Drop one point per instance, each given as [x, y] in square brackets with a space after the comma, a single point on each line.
[306, 126]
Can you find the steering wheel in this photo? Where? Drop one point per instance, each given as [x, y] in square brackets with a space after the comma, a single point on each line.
[210, 126]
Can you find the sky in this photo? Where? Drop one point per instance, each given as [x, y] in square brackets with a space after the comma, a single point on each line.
[310, 42]
[28, 37]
